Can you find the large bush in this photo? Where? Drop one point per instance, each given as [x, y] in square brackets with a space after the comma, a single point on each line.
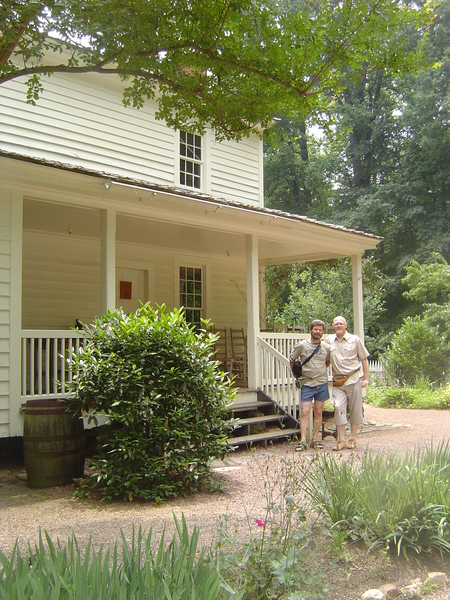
[151, 373]
[417, 350]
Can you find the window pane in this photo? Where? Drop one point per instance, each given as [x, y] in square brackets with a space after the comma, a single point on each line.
[190, 160]
[191, 293]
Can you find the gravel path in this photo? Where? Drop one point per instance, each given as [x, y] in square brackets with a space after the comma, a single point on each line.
[23, 511]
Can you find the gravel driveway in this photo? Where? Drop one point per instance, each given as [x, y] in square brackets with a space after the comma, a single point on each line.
[24, 511]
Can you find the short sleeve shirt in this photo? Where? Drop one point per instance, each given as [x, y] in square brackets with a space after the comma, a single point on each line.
[315, 370]
[346, 355]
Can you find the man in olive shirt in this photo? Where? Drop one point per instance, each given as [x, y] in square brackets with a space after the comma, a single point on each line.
[348, 357]
[315, 377]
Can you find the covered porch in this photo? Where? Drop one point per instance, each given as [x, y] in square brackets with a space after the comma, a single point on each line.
[77, 235]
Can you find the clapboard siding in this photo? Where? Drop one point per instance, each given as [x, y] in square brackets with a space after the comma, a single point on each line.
[229, 304]
[78, 124]
[61, 280]
[5, 304]
[235, 170]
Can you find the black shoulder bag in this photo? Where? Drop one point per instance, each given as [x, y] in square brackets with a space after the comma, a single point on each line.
[298, 364]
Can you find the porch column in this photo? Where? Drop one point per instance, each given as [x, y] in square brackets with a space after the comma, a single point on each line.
[358, 315]
[251, 247]
[108, 259]
[15, 315]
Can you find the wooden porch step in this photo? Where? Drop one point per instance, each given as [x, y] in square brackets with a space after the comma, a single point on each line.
[265, 436]
[261, 419]
[251, 405]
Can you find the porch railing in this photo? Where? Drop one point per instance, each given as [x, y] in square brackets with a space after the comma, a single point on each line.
[276, 376]
[44, 369]
[45, 372]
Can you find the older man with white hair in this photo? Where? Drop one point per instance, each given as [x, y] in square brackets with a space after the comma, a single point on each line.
[348, 358]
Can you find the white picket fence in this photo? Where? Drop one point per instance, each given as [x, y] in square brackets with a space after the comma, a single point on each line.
[375, 366]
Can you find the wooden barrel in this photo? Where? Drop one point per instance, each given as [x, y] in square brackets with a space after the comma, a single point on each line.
[53, 444]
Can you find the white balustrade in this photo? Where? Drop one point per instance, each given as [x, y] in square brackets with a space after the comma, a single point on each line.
[44, 367]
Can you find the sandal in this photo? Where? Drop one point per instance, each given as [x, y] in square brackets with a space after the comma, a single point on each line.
[340, 446]
[301, 447]
[351, 444]
[316, 445]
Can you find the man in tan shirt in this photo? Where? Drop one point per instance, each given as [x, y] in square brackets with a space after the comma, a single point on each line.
[348, 357]
[315, 381]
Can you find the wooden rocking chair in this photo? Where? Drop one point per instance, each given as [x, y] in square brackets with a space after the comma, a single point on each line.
[238, 363]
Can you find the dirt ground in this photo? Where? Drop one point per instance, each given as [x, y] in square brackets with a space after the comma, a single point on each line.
[24, 511]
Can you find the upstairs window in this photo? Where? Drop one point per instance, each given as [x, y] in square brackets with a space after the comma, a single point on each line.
[191, 293]
[190, 160]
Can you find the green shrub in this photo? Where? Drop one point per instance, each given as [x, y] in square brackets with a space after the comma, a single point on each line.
[421, 395]
[400, 501]
[417, 350]
[152, 375]
[175, 571]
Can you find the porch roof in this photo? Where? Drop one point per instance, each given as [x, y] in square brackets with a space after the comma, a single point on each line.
[188, 216]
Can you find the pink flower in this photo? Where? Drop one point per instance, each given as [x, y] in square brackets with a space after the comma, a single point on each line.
[260, 523]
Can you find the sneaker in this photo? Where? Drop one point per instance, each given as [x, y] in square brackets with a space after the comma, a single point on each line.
[301, 447]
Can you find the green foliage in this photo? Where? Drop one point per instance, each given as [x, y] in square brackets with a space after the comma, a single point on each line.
[228, 65]
[399, 501]
[383, 166]
[428, 282]
[274, 561]
[417, 350]
[422, 395]
[302, 292]
[429, 289]
[151, 373]
[175, 571]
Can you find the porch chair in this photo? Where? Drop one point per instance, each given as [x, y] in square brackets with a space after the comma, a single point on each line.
[299, 328]
[238, 363]
[280, 327]
[221, 349]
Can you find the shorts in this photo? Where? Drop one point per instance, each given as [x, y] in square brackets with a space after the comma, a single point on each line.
[317, 392]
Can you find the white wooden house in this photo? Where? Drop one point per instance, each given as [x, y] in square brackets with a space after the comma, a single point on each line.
[93, 194]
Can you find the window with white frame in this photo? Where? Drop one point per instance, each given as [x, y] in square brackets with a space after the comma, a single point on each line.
[191, 293]
[190, 160]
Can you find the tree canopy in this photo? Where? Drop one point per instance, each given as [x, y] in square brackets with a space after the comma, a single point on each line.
[382, 166]
[228, 64]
